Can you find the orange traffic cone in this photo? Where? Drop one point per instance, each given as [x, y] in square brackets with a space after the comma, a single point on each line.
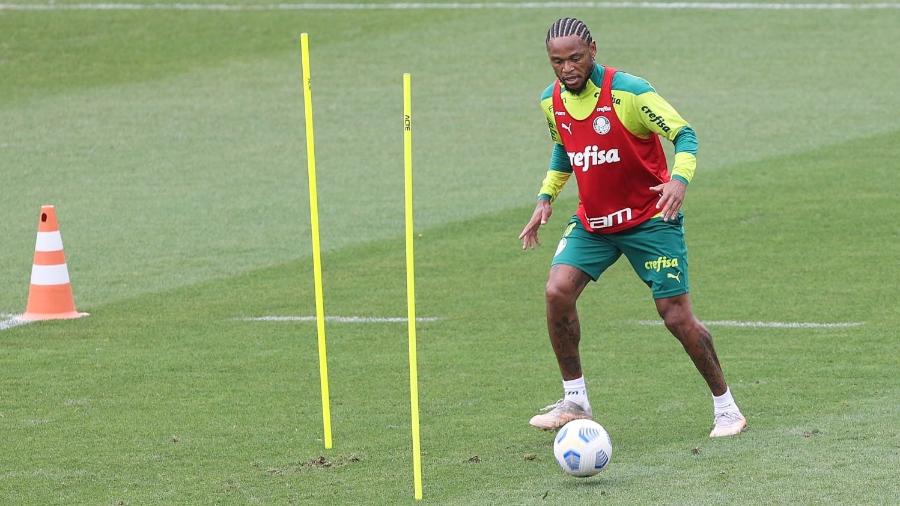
[50, 296]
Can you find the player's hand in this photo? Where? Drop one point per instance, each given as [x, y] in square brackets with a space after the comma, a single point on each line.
[671, 196]
[541, 214]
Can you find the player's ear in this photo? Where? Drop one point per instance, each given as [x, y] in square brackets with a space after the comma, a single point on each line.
[593, 49]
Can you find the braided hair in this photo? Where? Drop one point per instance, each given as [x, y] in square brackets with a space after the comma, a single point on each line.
[565, 27]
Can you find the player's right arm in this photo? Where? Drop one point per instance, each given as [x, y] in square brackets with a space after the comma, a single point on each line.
[529, 234]
[557, 175]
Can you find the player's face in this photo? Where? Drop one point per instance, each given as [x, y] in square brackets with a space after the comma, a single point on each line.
[572, 60]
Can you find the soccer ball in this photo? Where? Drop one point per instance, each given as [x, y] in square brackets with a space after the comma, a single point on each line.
[582, 448]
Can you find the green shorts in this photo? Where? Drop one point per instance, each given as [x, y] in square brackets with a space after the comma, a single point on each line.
[655, 249]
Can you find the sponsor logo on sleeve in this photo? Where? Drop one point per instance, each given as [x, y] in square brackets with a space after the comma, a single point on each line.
[656, 119]
[554, 135]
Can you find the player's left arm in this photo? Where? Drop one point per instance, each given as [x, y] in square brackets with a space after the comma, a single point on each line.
[659, 117]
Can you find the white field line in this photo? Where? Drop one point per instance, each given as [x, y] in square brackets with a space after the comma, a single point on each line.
[712, 6]
[767, 325]
[8, 321]
[337, 319]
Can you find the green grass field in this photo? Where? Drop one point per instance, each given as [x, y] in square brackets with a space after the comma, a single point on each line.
[172, 144]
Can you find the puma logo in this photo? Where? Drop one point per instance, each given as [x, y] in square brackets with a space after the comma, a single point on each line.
[566, 126]
[676, 277]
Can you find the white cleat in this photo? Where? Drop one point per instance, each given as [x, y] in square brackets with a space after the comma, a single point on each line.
[558, 414]
[728, 423]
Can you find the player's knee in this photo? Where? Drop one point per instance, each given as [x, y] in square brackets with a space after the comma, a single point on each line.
[675, 317]
[558, 294]
[675, 324]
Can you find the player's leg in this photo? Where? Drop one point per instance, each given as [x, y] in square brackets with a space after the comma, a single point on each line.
[564, 286]
[697, 342]
[694, 337]
[658, 254]
[580, 257]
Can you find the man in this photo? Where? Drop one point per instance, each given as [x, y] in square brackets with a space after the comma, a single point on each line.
[605, 125]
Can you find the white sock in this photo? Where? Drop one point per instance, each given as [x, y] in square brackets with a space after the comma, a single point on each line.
[724, 402]
[576, 391]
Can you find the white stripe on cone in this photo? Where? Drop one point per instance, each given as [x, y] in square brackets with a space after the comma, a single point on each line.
[49, 274]
[49, 241]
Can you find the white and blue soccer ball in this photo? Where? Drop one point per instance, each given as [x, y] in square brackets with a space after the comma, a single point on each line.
[582, 448]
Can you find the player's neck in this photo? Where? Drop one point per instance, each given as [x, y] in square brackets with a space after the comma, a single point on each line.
[576, 93]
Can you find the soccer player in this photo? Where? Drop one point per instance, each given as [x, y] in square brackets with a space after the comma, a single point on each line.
[605, 126]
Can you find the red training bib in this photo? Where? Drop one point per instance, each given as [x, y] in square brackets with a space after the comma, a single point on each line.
[614, 168]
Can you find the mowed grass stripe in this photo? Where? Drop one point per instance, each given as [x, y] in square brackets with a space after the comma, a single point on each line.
[164, 398]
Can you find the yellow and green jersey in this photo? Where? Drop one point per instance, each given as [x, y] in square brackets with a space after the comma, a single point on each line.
[640, 109]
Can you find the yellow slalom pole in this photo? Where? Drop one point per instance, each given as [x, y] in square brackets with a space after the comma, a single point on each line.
[314, 224]
[410, 285]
